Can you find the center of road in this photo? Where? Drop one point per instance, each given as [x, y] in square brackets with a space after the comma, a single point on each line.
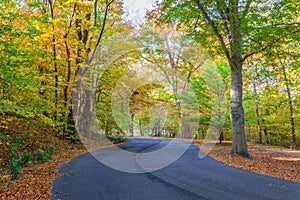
[149, 155]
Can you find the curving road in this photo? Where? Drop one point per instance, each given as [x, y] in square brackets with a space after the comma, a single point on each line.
[187, 178]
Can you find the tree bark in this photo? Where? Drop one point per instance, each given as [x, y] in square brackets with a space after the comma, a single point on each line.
[237, 113]
[84, 101]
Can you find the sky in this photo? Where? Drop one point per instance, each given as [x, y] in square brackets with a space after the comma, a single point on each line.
[136, 10]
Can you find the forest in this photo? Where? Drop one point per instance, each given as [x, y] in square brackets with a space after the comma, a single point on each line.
[82, 69]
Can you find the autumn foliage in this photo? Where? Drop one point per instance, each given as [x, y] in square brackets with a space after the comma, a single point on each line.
[44, 44]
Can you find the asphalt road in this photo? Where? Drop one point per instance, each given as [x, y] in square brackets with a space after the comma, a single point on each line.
[187, 178]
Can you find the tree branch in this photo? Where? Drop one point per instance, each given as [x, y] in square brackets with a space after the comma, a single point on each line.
[71, 20]
[215, 29]
[95, 12]
[269, 45]
[224, 18]
[108, 3]
[279, 24]
[247, 6]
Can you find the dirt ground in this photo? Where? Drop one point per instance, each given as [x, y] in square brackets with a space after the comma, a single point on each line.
[35, 181]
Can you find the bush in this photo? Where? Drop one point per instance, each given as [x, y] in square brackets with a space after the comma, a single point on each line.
[25, 158]
[123, 139]
[16, 162]
[15, 166]
[116, 138]
[42, 156]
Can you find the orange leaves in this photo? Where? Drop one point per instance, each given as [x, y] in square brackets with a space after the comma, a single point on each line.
[35, 182]
[273, 161]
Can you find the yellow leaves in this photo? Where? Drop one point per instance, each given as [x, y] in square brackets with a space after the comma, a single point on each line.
[70, 3]
[44, 38]
[59, 22]
[48, 121]
[5, 102]
[1, 46]
[85, 6]
[85, 3]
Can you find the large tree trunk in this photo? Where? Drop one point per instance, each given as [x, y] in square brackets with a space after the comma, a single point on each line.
[84, 101]
[236, 92]
[237, 112]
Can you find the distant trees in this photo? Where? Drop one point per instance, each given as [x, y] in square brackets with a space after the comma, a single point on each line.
[271, 81]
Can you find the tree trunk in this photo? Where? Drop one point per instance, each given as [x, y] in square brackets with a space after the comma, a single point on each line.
[235, 59]
[140, 126]
[131, 124]
[265, 131]
[232, 27]
[158, 128]
[221, 137]
[237, 112]
[54, 51]
[186, 129]
[84, 94]
[290, 104]
[257, 107]
[83, 100]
